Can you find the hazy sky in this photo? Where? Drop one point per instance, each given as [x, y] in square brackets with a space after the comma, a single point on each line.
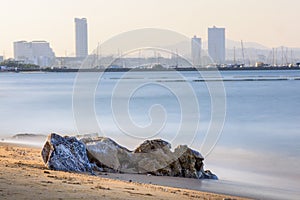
[269, 22]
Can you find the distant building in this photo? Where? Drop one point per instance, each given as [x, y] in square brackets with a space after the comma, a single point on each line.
[1, 58]
[196, 45]
[68, 62]
[216, 44]
[81, 36]
[35, 52]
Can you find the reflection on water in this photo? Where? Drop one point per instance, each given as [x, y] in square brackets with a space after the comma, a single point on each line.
[260, 142]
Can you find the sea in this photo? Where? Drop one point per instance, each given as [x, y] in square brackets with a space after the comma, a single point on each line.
[245, 123]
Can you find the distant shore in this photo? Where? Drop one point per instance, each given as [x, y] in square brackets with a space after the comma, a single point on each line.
[157, 70]
[24, 176]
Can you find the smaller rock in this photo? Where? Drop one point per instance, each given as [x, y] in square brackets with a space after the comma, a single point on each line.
[207, 174]
[190, 160]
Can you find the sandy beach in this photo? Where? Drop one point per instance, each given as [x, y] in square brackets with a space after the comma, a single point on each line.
[24, 176]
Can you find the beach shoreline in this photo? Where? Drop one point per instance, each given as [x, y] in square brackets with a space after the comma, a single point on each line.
[24, 176]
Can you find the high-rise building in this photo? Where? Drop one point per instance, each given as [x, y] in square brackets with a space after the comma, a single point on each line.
[216, 44]
[81, 36]
[196, 50]
[35, 52]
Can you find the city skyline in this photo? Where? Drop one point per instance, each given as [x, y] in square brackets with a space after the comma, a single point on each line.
[253, 21]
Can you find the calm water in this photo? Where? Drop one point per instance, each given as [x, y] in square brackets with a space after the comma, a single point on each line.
[259, 144]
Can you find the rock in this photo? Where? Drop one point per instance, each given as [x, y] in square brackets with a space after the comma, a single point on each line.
[190, 161]
[107, 154]
[156, 157]
[25, 136]
[65, 154]
[207, 174]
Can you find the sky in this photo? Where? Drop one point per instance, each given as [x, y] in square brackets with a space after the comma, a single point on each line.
[272, 23]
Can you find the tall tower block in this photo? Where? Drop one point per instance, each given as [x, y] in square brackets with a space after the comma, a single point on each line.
[81, 37]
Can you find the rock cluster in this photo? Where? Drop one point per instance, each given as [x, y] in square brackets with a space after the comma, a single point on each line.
[151, 157]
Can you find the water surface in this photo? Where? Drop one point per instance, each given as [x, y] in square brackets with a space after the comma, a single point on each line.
[259, 144]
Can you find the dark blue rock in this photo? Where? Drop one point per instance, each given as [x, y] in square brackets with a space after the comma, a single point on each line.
[65, 154]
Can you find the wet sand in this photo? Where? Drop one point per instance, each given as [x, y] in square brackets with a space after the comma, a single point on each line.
[24, 176]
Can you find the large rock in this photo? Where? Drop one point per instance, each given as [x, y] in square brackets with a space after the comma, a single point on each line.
[107, 154]
[156, 157]
[65, 154]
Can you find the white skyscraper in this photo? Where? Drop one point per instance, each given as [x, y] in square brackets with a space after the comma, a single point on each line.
[81, 36]
[216, 44]
[35, 52]
[196, 50]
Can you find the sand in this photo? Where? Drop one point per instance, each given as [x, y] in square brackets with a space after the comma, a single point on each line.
[24, 176]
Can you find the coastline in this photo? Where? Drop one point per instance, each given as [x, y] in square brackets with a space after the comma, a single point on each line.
[24, 176]
[181, 69]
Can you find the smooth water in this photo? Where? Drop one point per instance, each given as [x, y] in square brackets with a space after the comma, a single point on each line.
[259, 143]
